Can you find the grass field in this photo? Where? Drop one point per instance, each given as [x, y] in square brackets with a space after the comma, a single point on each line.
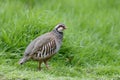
[91, 45]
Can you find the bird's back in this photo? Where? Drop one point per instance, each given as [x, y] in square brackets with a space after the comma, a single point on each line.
[44, 46]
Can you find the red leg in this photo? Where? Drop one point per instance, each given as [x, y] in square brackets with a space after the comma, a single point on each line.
[39, 67]
[46, 64]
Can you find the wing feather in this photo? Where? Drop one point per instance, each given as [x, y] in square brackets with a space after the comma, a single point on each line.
[37, 43]
[43, 40]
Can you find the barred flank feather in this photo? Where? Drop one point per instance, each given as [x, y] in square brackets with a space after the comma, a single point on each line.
[47, 50]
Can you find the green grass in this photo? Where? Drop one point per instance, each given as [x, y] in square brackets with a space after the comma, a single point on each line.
[91, 45]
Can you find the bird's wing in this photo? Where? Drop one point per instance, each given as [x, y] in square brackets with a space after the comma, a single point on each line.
[29, 48]
[40, 41]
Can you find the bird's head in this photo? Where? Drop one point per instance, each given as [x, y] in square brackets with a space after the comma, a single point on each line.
[60, 27]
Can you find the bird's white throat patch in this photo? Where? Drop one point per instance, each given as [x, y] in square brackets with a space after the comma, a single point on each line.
[60, 29]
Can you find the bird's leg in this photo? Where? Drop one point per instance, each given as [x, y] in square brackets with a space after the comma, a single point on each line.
[46, 64]
[39, 67]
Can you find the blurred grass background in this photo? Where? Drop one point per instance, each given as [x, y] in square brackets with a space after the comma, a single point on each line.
[91, 45]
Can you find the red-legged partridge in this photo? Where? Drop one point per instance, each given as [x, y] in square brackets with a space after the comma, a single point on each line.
[45, 46]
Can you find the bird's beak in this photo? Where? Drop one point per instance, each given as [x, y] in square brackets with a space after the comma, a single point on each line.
[65, 27]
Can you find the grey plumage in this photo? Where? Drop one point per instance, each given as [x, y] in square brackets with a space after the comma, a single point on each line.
[45, 46]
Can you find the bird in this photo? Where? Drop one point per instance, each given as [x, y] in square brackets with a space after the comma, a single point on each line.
[44, 47]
